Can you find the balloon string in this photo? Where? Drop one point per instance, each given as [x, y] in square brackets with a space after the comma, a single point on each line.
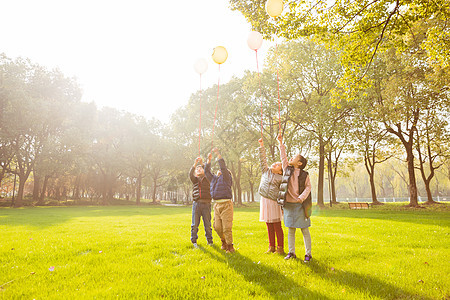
[215, 113]
[200, 119]
[260, 91]
[278, 83]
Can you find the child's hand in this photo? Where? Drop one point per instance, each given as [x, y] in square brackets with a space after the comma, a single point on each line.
[209, 157]
[261, 142]
[198, 160]
[280, 138]
[216, 151]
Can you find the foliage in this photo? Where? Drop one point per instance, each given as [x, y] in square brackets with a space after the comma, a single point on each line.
[358, 30]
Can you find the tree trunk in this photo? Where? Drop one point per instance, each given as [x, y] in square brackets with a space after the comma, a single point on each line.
[138, 189]
[36, 188]
[429, 196]
[154, 190]
[332, 180]
[426, 180]
[370, 168]
[320, 202]
[408, 144]
[58, 192]
[43, 191]
[413, 201]
[373, 189]
[238, 182]
[19, 200]
[76, 188]
[2, 175]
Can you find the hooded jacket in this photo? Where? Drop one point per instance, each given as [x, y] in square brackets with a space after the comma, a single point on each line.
[220, 187]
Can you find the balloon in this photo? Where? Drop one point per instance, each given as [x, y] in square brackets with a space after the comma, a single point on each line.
[220, 55]
[274, 7]
[200, 66]
[254, 40]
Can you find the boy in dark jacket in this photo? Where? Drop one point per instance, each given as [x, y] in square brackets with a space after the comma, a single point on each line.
[201, 206]
[223, 206]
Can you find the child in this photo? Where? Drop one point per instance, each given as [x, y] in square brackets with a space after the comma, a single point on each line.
[295, 195]
[270, 211]
[223, 206]
[201, 206]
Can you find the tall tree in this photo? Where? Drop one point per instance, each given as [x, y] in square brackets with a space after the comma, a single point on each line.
[35, 99]
[432, 145]
[310, 72]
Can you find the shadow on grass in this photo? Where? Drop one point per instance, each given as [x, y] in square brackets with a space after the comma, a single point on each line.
[42, 217]
[273, 281]
[420, 217]
[371, 286]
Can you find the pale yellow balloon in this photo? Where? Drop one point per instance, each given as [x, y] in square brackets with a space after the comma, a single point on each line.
[200, 66]
[274, 8]
[220, 55]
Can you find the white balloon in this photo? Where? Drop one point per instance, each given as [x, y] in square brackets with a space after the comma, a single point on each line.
[254, 40]
[201, 65]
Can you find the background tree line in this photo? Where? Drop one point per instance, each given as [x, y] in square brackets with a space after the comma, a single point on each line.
[375, 129]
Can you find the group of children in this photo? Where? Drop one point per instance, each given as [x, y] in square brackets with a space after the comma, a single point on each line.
[208, 186]
[285, 190]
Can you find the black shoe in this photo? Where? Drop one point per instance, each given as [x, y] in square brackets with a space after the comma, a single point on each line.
[307, 258]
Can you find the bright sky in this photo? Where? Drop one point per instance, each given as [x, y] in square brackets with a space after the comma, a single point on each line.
[134, 55]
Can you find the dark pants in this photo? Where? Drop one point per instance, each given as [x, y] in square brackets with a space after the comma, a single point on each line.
[203, 210]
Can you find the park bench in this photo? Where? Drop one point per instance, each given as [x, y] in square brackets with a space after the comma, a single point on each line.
[358, 205]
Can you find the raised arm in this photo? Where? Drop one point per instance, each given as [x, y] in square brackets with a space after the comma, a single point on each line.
[216, 151]
[262, 156]
[223, 166]
[191, 175]
[283, 156]
[191, 172]
[225, 173]
[208, 173]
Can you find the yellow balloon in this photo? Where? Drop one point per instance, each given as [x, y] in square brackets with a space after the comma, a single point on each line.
[274, 7]
[220, 55]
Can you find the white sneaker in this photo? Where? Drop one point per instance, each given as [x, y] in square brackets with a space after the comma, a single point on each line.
[195, 245]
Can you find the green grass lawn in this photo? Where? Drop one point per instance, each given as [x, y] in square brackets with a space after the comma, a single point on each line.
[145, 252]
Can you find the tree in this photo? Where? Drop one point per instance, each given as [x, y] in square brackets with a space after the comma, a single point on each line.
[309, 73]
[140, 141]
[106, 151]
[34, 100]
[370, 136]
[406, 94]
[432, 146]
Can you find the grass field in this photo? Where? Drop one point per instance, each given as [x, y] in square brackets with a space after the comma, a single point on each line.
[145, 252]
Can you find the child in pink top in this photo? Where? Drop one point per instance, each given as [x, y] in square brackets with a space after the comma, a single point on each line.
[295, 195]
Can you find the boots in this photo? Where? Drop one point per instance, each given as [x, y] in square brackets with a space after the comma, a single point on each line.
[280, 250]
[230, 248]
[270, 250]
[224, 245]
